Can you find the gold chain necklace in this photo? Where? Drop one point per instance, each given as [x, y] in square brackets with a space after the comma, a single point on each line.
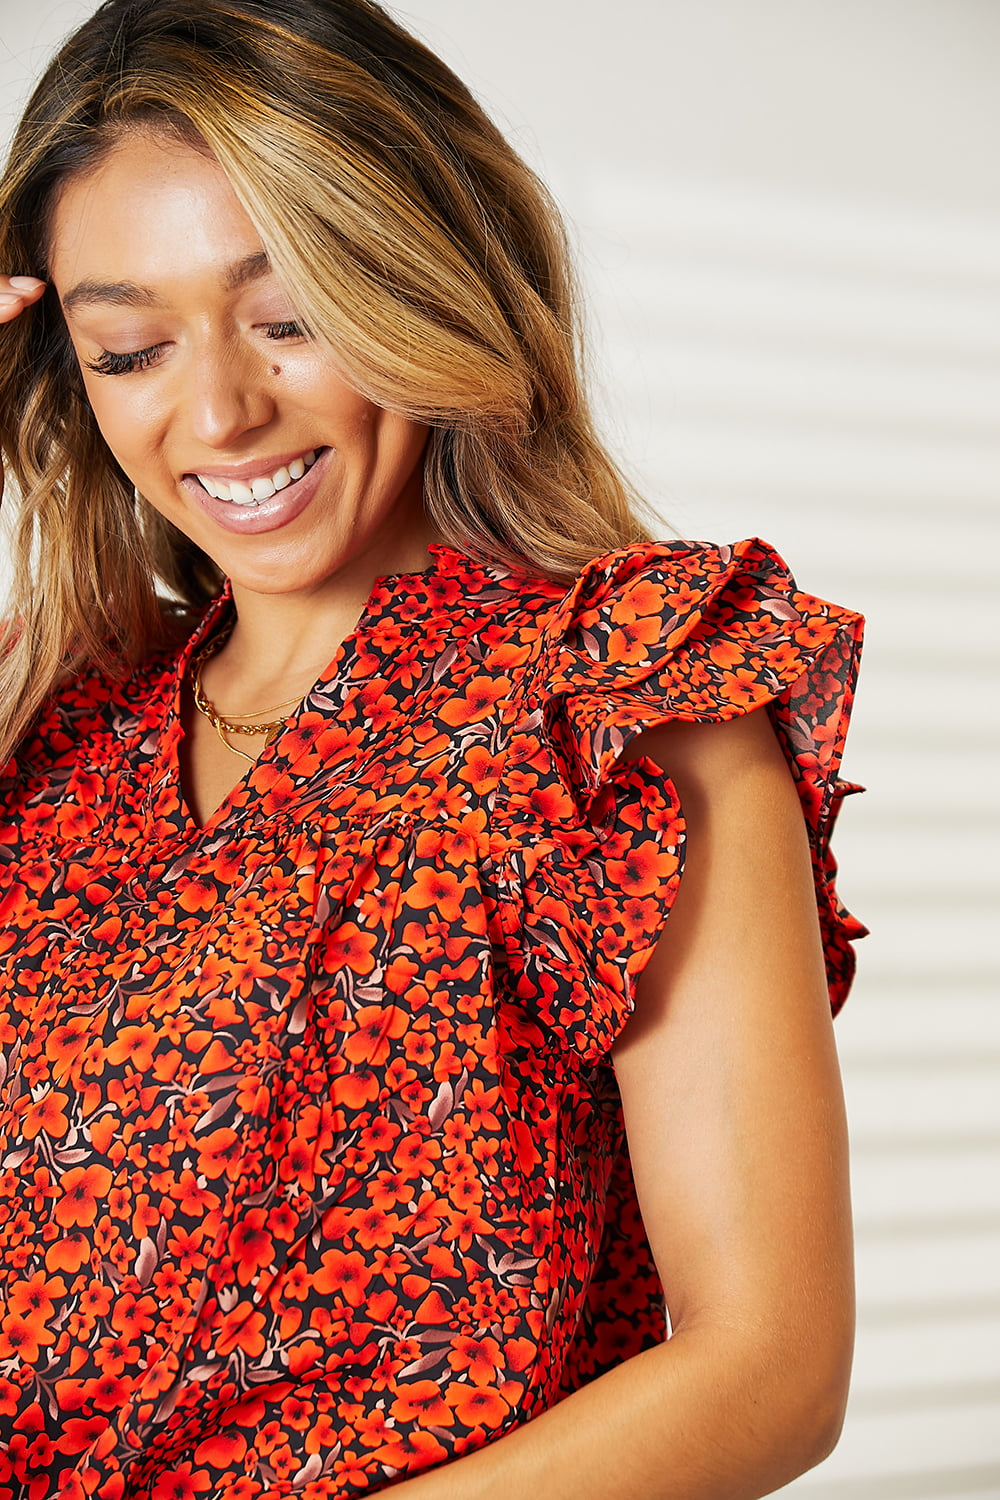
[234, 724]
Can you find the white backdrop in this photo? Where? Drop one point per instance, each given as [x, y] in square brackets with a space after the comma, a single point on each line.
[788, 220]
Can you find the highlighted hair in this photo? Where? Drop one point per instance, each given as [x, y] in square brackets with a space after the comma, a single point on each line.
[416, 244]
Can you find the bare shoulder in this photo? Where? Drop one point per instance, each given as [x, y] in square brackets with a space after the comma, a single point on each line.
[711, 754]
[741, 808]
[743, 937]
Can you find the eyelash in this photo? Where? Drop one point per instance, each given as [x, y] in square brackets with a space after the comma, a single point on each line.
[123, 364]
[128, 364]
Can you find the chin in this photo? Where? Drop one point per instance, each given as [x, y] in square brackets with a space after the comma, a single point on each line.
[281, 575]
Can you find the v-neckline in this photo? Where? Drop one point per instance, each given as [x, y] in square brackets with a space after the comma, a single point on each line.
[169, 779]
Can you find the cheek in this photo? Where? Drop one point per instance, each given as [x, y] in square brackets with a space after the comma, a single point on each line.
[125, 420]
[401, 442]
[314, 379]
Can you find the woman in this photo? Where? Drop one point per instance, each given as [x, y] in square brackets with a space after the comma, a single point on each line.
[348, 717]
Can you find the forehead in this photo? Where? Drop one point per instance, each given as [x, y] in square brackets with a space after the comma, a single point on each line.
[156, 210]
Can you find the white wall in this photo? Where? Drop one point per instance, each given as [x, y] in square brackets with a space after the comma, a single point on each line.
[788, 215]
[789, 218]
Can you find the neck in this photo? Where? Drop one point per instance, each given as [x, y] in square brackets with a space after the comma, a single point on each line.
[280, 643]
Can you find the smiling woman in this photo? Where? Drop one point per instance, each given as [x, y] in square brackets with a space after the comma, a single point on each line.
[419, 252]
[177, 364]
[356, 1101]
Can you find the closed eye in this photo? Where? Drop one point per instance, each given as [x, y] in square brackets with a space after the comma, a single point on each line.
[124, 364]
[284, 331]
[141, 359]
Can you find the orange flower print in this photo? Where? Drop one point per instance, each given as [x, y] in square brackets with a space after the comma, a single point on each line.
[377, 1027]
[220, 1152]
[251, 1245]
[309, 1106]
[181, 1483]
[481, 769]
[22, 1338]
[463, 1224]
[477, 1405]
[107, 1392]
[481, 1358]
[373, 1226]
[241, 1328]
[440, 889]
[35, 1297]
[349, 947]
[744, 687]
[416, 1155]
[630, 643]
[421, 1401]
[414, 1449]
[727, 653]
[643, 869]
[221, 1450]
[478, 701]
[641, 599]
[345, 1274]
[134, 1045]
[83, 1189]
[80, 1433]
[48, 1114]
[198, 894]
[67, 1254]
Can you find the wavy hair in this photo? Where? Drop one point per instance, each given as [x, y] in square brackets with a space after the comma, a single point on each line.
[417, 245]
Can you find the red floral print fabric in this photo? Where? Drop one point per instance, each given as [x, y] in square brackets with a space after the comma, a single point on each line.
[313, 1170]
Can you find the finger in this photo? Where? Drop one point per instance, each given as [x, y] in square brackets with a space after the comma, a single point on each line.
[17, 293]
[11, 307]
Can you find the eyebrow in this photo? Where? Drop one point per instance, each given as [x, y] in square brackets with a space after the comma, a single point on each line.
[88, 293]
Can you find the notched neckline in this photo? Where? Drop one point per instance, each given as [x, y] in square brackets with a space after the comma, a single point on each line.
[166, 772]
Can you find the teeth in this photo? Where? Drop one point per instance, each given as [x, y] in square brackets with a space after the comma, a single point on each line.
[238, 493]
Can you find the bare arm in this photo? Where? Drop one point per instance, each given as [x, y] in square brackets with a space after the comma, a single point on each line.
[736, 1131]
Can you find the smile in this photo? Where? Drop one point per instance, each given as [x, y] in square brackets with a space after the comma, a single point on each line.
[264, 487]
[258, 501]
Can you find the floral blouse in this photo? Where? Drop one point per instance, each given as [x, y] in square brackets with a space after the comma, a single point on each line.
[311, 1152]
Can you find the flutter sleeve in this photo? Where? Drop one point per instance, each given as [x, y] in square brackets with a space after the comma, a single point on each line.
[651, 634]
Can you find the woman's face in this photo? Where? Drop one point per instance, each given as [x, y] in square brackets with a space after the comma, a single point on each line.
[226, 418]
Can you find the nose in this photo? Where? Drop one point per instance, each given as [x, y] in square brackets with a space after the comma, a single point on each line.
[229, 395]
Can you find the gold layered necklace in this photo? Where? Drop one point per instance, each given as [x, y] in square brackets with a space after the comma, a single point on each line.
[237, 723]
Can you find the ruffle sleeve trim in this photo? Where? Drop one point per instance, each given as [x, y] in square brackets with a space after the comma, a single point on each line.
[650, 634]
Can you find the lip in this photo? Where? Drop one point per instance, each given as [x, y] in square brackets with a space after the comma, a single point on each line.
[255, 468]
[265, 515]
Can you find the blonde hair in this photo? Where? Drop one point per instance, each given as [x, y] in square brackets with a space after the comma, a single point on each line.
[419, 246]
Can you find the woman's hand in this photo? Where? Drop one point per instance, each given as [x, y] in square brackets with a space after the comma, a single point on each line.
[17, 293]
